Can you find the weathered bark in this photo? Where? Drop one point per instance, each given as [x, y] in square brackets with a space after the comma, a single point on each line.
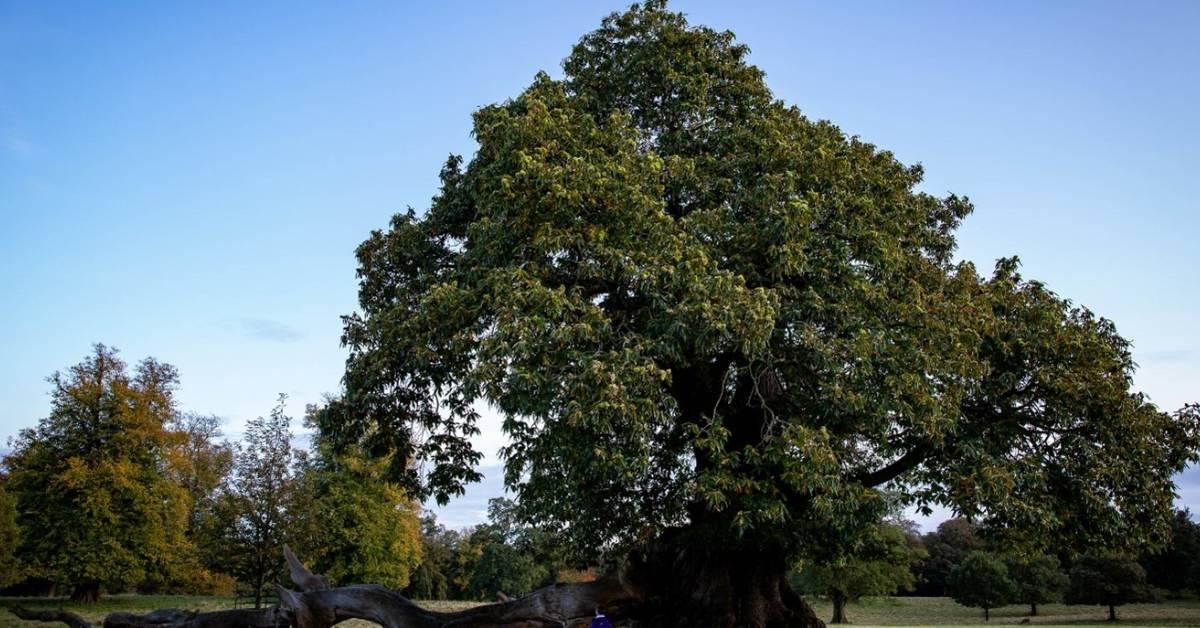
[174, 618]
[169, 618]
[67, 617]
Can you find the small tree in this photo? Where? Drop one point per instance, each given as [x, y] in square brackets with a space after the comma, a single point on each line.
[351, 523]
[981, 581]
[1110, 580]
[884, 568]
[1039, 580]
[256, 502]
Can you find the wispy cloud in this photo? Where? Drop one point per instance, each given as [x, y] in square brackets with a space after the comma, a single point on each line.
[1168, 356]
[21, 147]
[264, 329]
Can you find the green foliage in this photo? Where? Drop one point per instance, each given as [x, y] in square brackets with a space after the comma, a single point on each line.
[882, 567]
[1039, 580]
[945, 547]
[352, 525]
[253, 512]
[1108, 580]
[981, 581]
[432, 580]
[202, 466]
[694, 305]
[90, 481]
[10, 539]
[1176, 568]
[501, 568]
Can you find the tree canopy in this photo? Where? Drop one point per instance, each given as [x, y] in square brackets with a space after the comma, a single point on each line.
[699, 310]
[882, 567]
[1038, 580]
[1109, 579]
[981, 580]
[354, 524]
[90, 479]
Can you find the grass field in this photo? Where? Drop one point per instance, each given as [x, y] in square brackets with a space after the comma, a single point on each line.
[869, 612]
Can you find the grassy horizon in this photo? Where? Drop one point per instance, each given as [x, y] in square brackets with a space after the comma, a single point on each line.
[878, 611]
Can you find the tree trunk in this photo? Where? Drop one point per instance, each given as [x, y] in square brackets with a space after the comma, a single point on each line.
[1033, 610]
[986, 615]
[1112, 613]
[839, 608]
[86, 593]
[168, 618]
[674, 583]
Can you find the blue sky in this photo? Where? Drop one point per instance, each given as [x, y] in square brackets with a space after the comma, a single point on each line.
[190, 180]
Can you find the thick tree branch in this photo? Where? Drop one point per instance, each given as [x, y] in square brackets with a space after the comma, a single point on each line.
[896, 468]
[169, 618]
[557, 605]
[67, 617]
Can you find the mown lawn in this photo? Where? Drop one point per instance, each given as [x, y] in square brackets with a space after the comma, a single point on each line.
[941, 611]
[904, 611]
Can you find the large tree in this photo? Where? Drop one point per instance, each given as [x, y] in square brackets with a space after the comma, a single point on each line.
[90, 482]
[716, 329]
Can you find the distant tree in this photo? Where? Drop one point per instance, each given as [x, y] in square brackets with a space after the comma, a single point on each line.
[884, 567]
[202, 465]
[432, 578]
[1039, 580]
[501, 567]
[981, 581]
[10, 538]
[1110, 580]
[351, 523]
[255, 506]
[945, 548]
[90, 480]
[1176, 567]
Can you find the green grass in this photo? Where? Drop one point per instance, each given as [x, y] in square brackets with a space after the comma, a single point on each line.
[941, 611]
[903, 611]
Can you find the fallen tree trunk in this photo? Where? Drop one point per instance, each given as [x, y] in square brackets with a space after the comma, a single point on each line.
[67, 617]
[168, 618]
[666, 588]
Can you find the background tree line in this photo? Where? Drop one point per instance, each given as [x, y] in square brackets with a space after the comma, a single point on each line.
[959, 561]
[118, 490]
